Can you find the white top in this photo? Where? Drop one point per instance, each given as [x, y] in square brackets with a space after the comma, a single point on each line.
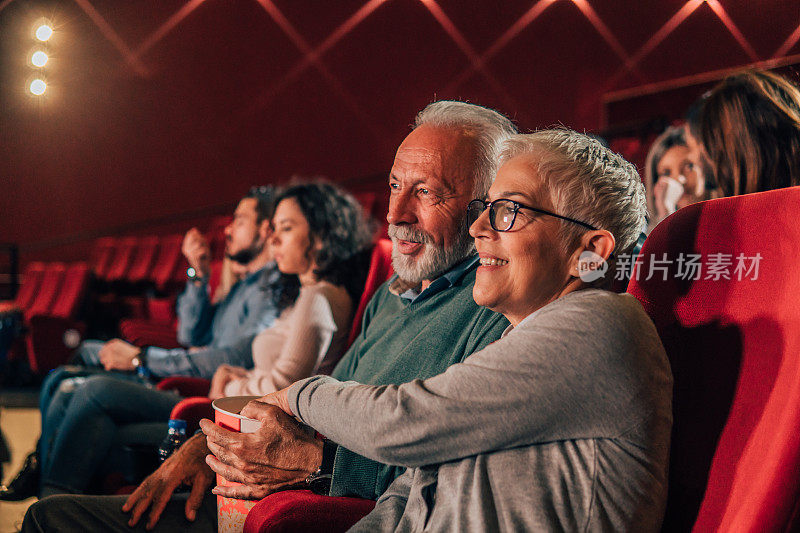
[307, 338]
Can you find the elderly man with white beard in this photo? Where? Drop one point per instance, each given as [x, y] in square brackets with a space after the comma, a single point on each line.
[420, 322]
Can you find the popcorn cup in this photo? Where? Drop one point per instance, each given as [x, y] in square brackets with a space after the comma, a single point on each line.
[231, 512]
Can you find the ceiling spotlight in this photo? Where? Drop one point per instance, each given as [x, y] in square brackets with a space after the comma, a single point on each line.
[39, 59]
[38, 87]
[44, 32]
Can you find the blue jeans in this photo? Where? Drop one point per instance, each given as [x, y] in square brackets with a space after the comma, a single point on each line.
[82, 439]
[56, 394]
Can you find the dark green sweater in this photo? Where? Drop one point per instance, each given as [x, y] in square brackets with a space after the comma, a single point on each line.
[400, 342]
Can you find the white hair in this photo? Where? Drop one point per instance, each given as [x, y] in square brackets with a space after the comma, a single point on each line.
[587, 182]
[488, 128]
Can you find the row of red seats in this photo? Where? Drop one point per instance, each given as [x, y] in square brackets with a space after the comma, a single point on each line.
[734, 348]
[138, 259]
[49, 301]
[153, 259]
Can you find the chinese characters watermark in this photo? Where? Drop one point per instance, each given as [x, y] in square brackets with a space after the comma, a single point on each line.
[692, 267]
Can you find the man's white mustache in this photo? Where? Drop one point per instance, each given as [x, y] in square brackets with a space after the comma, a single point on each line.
[409, 233]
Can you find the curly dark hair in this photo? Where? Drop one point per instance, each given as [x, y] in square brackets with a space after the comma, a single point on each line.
[336, 220]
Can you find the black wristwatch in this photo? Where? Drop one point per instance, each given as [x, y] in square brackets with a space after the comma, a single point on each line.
[140, 359]
[319, 482]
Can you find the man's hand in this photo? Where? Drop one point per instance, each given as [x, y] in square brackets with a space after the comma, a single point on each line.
[185, 466]
[278, 399]
[197, 252]
[117, 354]
[224, 375]
[279, 455]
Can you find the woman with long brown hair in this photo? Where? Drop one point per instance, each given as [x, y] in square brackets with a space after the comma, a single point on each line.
[748, 129]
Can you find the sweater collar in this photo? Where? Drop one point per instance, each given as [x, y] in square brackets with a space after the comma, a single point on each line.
[411, 293]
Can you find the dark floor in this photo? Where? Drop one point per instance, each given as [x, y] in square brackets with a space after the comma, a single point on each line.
[19, 396]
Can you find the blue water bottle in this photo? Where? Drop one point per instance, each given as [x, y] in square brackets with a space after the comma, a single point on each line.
[176, 436]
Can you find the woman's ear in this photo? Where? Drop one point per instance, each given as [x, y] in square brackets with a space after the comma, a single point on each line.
[590, 259]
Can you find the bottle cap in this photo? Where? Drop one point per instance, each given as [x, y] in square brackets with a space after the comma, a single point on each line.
[177, 423]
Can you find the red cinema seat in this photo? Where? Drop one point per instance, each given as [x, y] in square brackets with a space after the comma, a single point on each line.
[733, 339]
[302, 510]
[143, 332]
[144, 260]
[167, 261]
[102, 256]
[73, 290]
[31, 280]
[125, 250]
[159, 331]
[380, 269]
[53, 336]
[48, 289]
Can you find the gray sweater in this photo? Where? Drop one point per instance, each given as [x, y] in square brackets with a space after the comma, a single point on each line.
[562, 425]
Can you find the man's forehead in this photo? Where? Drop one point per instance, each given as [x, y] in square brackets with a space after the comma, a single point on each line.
[246, 205]
[436, 154]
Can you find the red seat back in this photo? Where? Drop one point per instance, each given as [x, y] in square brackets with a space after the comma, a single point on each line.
[31, 280]
[73, 290]
[169, 256]
[734, 347]
[49, 288]
[143, 260]
[126, 247]
[380, 269]
[102, 256]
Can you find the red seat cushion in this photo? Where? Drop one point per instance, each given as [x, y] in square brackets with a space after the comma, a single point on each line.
[302, 510]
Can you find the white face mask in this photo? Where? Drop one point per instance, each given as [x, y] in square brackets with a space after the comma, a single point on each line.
[673, 193]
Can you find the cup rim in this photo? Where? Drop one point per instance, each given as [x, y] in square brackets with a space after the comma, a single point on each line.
[227, 404]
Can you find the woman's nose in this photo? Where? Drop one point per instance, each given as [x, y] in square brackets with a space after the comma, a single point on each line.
[481, 227]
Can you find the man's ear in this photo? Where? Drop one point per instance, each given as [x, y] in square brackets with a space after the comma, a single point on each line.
[265, 229]
[595, 246]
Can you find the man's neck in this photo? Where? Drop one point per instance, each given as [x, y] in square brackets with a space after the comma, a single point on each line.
[257, 263]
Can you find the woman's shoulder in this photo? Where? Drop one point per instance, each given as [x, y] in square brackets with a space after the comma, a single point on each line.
[596, 309]
[335, 296]
[323, 288]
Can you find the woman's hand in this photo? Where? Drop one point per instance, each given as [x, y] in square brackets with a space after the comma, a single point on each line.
[224, 375]
[278, 398]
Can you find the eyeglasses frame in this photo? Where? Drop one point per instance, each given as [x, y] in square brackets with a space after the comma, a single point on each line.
[517, 207]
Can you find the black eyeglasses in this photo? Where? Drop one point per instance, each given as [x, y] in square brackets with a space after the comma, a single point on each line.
[503, 213]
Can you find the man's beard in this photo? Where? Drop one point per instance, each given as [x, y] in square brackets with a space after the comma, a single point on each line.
[244, 257]
[434, 260]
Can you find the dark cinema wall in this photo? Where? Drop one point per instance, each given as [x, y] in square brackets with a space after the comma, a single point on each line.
[167, 110]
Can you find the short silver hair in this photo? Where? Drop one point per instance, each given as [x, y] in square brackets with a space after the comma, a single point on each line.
[488, 127]
[587, 182]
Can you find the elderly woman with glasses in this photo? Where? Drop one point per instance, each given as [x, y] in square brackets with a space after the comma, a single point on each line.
[561, 425]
